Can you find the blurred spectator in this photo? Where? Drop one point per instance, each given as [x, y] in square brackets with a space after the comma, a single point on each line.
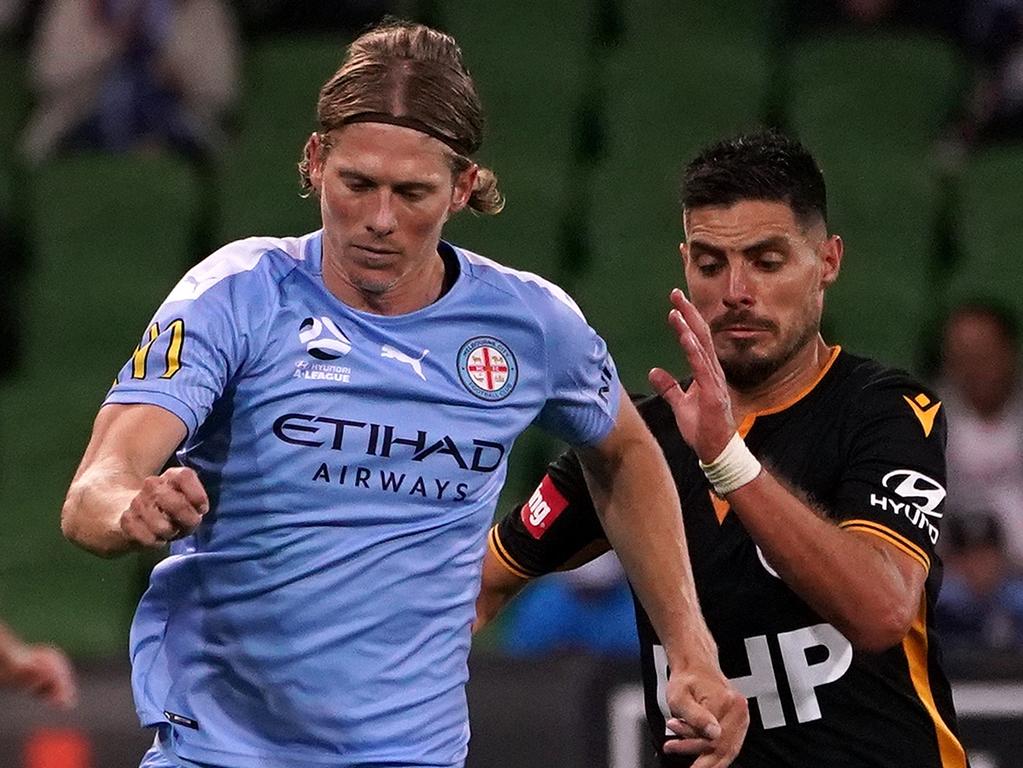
[16, 19]
[981, 600]
[981, 390]
[813, 16]
[10, 15]
[42, 670]
[117, 74]
[588, 610]
[993, 30]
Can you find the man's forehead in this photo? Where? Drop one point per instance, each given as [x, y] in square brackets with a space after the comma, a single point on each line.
[395, 151]
[746, 220]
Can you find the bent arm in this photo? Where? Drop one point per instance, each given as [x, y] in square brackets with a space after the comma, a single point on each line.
[638, 504]
[866, 587]
[129, 444]
[497, 588]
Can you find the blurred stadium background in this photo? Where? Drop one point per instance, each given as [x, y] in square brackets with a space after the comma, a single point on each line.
[593, 105]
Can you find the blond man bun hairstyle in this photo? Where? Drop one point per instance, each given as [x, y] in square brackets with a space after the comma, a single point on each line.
[411, 75]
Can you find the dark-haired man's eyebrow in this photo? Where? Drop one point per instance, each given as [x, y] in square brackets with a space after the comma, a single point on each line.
[700, 248]
[773, 243]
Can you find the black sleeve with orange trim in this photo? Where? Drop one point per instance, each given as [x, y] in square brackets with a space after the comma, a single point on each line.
[553, 526]
[893, 481]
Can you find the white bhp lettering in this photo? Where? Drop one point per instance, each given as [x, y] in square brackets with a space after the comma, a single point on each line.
[761, 684]
[538, 508]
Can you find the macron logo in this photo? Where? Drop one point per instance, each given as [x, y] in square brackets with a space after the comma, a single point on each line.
[543, 508]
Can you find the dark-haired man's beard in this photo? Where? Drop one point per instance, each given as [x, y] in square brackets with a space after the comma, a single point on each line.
[745, 369]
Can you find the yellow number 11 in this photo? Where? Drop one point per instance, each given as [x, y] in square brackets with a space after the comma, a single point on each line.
[173, 358]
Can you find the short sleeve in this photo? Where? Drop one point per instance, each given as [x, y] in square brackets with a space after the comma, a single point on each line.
[196, 342]
[893, 484]
[557, 523]
[583, 385]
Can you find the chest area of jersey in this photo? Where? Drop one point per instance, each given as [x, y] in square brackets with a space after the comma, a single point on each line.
[446, 395]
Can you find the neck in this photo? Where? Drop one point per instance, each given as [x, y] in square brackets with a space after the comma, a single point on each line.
[412, 290]
[786, 384]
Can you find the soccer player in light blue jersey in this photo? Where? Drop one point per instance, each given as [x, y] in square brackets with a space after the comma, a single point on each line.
[342, 406]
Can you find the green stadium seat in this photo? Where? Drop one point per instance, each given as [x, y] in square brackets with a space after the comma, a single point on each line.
[111, 236]
[871, 106]
[885, 208]
[883, 89]
[665, 100]
[990, 228]
[530, 136]
[259, 183]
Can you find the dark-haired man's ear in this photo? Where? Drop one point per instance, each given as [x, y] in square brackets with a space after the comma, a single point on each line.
[831, 257]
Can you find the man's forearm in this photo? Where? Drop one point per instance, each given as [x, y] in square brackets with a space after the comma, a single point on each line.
[639, 508]
[91, 513]
[853, 583]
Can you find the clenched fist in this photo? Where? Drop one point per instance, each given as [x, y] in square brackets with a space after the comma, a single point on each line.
[167, 507]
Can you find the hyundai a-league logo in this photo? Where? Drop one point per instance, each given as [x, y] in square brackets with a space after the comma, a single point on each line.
[487, 368]
[323, 339]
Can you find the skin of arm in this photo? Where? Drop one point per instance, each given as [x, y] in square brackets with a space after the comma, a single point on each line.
[868, 589]
[116, 502]
[638, 505]
[498, 587]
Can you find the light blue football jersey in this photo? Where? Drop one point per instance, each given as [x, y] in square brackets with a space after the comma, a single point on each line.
[320, 615]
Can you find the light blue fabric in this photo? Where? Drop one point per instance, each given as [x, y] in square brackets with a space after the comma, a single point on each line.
[320, 615]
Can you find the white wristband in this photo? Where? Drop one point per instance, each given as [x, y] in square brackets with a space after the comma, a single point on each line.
[733, 468]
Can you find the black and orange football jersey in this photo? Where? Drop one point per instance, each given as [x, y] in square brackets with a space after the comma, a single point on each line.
[865, 444]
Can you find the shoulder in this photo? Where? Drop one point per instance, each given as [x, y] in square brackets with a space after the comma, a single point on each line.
[871, 385]
[534, 293]
[259, 264]
[876, 393]
[864, 374]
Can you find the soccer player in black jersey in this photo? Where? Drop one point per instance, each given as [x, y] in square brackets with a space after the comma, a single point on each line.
[812, 487]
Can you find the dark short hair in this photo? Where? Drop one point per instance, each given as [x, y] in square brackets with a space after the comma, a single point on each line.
[766, 165]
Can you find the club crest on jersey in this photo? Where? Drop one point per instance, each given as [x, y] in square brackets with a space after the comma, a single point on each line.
[487, 368]
[323, 339]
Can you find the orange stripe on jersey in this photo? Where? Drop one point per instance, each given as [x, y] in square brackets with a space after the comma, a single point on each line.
[893, 538]
[503, 557]
[722, 507]
[914, 645]
[806, 390]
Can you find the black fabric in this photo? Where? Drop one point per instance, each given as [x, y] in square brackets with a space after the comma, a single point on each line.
[836, 445]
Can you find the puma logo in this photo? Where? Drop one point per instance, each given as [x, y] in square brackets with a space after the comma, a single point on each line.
[416, 363]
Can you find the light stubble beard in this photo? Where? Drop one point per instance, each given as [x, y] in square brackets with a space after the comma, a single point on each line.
[748, 371]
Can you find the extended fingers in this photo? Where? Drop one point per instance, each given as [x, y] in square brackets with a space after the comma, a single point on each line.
[666, 386]
[693, 319]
